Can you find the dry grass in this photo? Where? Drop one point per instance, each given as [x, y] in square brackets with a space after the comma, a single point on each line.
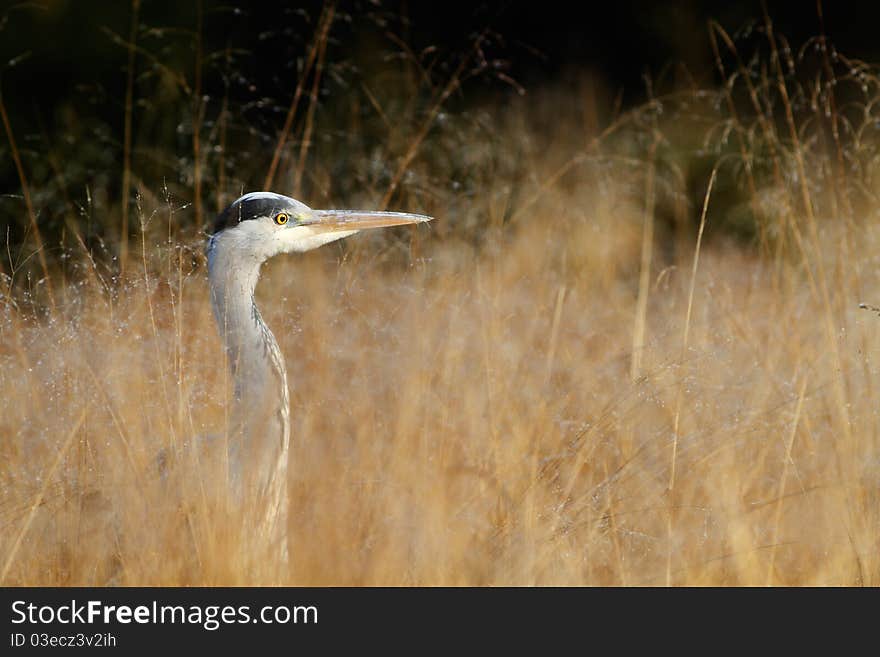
[473, 411]
[469, 419]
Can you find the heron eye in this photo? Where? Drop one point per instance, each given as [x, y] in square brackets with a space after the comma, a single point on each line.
[282, 218]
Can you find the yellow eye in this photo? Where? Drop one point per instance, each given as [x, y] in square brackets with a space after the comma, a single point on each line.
[281, 218]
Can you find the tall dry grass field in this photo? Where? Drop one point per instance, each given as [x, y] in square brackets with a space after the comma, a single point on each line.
[580, 373]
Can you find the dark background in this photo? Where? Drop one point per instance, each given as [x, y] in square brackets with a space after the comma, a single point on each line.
[65, 48]
[66, 41]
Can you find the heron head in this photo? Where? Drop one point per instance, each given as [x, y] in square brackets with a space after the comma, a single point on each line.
[263, 224]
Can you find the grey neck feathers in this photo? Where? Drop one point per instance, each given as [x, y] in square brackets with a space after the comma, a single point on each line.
[259, 374]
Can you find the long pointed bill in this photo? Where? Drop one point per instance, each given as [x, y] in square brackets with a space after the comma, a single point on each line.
[340, 220]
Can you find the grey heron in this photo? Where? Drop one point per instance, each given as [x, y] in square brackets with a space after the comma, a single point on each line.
[251, 230]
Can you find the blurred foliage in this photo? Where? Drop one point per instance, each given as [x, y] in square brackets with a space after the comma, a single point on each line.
[378, 117]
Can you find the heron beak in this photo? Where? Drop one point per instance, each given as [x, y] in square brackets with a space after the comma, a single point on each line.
[351, 220]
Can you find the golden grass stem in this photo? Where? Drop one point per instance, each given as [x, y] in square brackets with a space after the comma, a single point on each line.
[679, 396]
[640, 322]
[687, 324]
[554, 332]
[780, 492]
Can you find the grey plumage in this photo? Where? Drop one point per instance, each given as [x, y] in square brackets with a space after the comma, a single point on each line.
[252, 229]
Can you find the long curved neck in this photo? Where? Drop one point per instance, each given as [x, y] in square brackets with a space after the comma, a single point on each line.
[256, 361]
[259, 374]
